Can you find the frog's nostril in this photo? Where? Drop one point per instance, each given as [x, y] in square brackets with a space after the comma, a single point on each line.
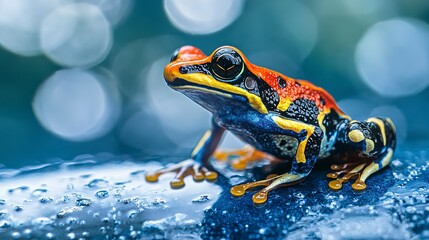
[174, 55]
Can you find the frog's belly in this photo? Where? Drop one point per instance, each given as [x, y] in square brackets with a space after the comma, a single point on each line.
[281, 146]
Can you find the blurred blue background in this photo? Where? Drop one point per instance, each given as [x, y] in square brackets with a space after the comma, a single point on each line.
[85, 76]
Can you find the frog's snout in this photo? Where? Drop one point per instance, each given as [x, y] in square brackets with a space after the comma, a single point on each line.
[187, 53]
[174, 55]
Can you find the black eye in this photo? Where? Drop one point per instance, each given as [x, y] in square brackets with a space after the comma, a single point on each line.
[227, 64]
[174, 55]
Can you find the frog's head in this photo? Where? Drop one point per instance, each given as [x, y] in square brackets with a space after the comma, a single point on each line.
[224, 77]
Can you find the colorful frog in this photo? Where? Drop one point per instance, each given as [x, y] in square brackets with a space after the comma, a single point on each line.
[282, 119]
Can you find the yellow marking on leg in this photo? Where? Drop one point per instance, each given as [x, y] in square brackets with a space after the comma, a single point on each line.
[272, 182]
[370, 169]
[297, 127]
[240, 190]
[356, 135]
[287, 178]
[380, 124]
[200, 144]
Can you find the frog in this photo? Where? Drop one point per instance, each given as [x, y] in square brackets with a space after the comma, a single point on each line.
[281, 119]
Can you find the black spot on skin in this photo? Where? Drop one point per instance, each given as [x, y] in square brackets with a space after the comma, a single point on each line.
[282, 143]
[282, 82]
[297, 83]
[322, 101]
[303, 110]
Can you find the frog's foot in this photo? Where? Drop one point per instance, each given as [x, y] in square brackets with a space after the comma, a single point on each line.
[183, 169]
[246, 155]
[272, 182]
[344, 172]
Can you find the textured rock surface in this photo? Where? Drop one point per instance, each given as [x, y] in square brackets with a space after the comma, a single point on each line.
[106, 196]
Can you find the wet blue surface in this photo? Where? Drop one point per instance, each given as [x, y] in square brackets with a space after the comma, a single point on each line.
[240, 218]
[105, 196]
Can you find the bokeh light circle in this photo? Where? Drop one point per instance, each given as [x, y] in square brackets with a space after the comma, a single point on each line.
[114, 11]
[76, 105]
[182, 120]
[202, 17]
[76, 35]
[20, 22]
[392, 57]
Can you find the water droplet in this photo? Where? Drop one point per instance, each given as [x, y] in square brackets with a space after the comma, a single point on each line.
[21, 188]
[103, 230]
[50, 235]
[27, 232]
[97, 183]
[71, 236]
[263, 231]
[5, 224]
[298, 195]
[68, 210]
[41, 221]
[64, 199]
[71, 220]
[70, 186]
[102, 194]
[38, 192]
[85, 202]
[2, 202]
[3, 212]
[16, 235]
[132, 214]
[410, 209]
[45, 200]
[201, 199]
[18, 208]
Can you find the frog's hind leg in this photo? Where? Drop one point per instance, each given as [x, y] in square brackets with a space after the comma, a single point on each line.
[245, 156]
[309, 151]
[371, 139]
[343, 173]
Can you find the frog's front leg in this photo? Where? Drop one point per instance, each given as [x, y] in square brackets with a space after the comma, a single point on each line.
[245, 155]
[309, 138]
[197, 165]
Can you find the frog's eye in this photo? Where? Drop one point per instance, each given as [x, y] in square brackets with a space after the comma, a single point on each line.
[227, 64]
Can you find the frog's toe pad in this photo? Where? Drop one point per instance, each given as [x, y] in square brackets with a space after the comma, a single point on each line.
[183, 169]
[343, 173]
